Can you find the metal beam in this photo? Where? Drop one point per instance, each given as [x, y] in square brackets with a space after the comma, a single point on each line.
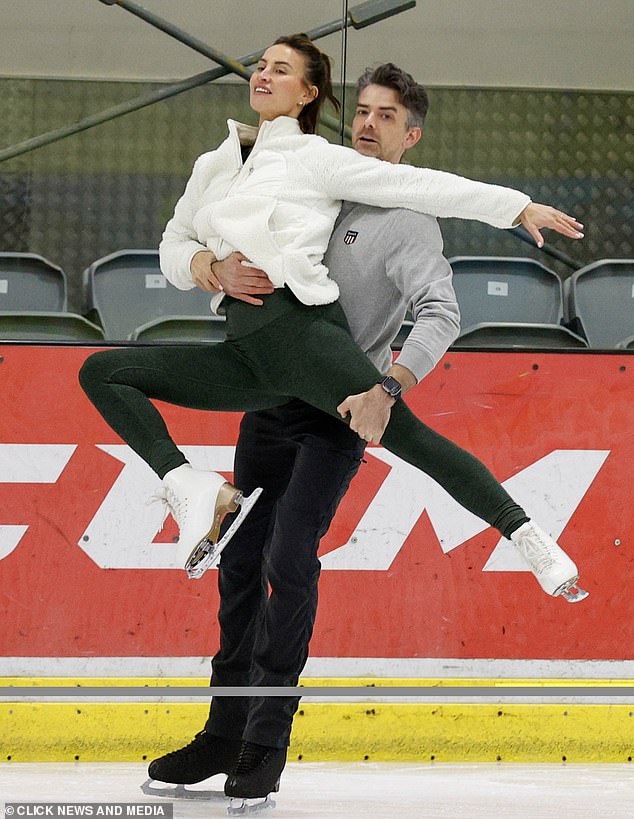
[358, 17]
[546, 248]
[365, 14]
[374, 11]
[182, 36]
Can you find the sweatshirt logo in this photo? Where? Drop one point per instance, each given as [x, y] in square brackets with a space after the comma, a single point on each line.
[350, 237]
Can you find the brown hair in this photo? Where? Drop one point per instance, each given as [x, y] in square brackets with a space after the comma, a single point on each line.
[318, 73]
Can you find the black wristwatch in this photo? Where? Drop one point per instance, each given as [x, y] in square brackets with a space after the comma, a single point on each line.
[392, 387]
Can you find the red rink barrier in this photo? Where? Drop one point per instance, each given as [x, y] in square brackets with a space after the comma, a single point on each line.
[85, 571]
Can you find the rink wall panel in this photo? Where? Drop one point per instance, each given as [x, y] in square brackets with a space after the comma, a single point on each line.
[87, 574]
[86, 571]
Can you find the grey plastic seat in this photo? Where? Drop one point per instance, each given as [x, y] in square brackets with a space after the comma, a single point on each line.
[510, 335]
[601, 301]
[193, 329]
[504, 291]
[626, 344]
[29, 282]
[498, 288]
[43, 326]
[127, 289]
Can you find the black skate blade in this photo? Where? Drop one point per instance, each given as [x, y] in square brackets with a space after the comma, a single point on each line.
[181, 792]
[247, 807]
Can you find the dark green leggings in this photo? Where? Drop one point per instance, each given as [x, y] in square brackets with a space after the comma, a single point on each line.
[273, 353]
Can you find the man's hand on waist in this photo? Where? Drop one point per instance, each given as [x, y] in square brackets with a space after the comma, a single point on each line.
[238, 278]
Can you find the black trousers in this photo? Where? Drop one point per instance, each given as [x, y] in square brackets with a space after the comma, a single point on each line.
[304, 459]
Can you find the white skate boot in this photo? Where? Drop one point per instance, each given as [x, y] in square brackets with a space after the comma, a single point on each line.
[554, 570]
[199, 502]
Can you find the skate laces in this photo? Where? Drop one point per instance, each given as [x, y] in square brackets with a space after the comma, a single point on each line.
[192, 749]
[172, 505]
[539, 551]
[251, 756]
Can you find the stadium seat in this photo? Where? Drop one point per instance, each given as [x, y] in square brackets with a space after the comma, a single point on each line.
[192, 329]
[47, 326]
[600, 301]
[126, 290]
[507, 289]
[626, 344]
[504, 292]
[30, 283]
[512, 335]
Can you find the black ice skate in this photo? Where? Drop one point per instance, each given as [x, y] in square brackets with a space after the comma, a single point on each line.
[206, 755]
[254, 778]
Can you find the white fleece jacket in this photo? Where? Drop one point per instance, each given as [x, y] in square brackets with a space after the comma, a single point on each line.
[279, 208]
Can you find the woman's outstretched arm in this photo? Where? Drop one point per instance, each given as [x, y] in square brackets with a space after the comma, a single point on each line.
[535, 216]
[345, 174]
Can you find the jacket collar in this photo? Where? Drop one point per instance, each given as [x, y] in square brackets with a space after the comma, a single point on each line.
[278, 127]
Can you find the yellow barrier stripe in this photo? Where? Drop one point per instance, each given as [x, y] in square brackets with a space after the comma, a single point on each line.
[126, 731]
[464, 732]
[372, 682]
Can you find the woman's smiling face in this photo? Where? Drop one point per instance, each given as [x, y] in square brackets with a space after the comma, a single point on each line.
[278, 86]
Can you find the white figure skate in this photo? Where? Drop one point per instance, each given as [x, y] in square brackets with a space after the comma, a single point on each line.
[199, 502]
[555, 571]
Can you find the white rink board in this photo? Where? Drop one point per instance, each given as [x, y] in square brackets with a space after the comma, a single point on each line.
[388, 667]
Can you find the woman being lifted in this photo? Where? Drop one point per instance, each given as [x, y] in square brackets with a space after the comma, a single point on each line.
[273, 193]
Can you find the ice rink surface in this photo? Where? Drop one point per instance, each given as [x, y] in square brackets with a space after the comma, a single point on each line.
[358, 790]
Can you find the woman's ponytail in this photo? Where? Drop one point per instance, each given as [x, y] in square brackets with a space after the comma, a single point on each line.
[318, 73]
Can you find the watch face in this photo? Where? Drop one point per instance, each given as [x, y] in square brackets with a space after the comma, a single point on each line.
[392, 386]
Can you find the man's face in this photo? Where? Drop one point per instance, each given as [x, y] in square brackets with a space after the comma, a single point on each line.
[379, 127]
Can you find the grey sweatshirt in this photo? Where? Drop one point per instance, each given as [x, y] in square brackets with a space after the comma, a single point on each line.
[385, 263]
